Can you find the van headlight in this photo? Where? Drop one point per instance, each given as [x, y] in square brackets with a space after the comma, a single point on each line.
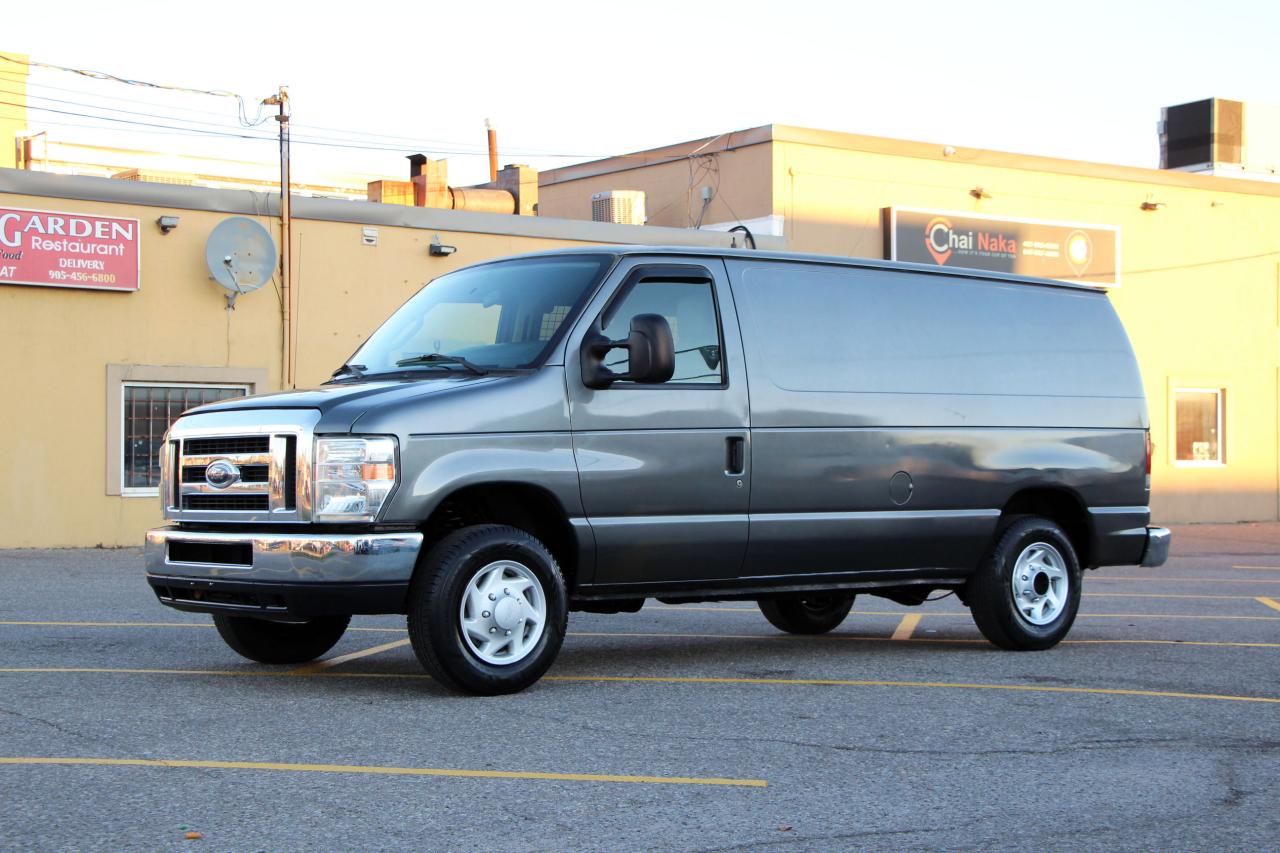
[353, 477]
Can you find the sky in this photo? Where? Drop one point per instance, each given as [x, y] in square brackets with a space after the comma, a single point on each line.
[567, 81]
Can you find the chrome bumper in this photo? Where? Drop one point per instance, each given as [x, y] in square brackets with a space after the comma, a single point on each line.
[293, 557]
[1157, 550]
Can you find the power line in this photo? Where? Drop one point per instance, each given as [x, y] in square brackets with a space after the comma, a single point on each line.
[103, 75]
[14, 77]
[259, 118]
[229, 134]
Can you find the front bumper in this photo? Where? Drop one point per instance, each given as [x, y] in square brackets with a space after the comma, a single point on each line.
[1157, 550]
[294, 573]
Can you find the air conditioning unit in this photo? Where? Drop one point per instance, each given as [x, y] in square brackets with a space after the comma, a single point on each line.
[623, 207]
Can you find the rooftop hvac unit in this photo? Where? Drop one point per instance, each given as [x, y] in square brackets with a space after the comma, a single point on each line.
[624, 207]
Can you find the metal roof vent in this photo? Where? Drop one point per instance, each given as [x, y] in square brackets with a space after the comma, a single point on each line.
[623, 207]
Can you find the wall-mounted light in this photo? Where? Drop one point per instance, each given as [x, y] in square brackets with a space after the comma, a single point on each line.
[439, 249]
[167, 223]
[1152, 205]
[979, 193]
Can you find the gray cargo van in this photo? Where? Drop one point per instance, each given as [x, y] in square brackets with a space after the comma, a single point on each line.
[587, 429]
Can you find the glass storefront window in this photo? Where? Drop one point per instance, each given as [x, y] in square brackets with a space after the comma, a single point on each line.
[1199, 426]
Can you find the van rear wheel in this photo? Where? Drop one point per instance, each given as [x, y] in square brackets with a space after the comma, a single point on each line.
[1025, 595]
[267, 641]
[813, 614]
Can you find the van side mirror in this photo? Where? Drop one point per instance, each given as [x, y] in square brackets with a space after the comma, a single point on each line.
[651, 353]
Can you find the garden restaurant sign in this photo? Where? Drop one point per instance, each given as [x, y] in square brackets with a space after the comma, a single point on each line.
[69, 250]
[1084, 254]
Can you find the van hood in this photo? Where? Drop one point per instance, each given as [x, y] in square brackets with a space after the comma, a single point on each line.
[341, 404]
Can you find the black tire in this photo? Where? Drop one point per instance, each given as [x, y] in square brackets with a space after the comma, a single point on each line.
[812, 614]
[435, 599]
[280, 642]
[991, 596]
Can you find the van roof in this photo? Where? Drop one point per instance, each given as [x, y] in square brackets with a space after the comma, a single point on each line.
[802, 257]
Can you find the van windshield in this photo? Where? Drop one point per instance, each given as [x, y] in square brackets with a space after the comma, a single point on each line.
[500, 316]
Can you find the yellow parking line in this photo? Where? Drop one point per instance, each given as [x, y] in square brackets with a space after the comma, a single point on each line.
[906, 627]
[392, 771]
[873, 639]
[99, 670]
[70, 624]
[964, 614]
[838, 682]
[320, 666]
[672, 679]
[1166, 595]
[1165, 579]
[1269, 602]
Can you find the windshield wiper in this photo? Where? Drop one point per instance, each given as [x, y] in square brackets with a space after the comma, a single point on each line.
[441, 358]
[348, 369]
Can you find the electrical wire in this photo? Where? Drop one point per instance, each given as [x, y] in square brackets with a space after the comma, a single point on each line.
[297, 138]
[408, 143]
[259, 118]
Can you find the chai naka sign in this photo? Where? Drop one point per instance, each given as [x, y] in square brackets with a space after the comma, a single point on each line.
[58, 249]
[1071, 251]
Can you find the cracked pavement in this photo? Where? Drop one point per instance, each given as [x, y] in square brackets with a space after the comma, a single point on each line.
[937, 741]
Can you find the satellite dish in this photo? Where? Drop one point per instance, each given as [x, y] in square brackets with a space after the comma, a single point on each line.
[241, 256]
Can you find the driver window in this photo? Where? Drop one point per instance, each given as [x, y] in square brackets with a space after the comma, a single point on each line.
[690, 308]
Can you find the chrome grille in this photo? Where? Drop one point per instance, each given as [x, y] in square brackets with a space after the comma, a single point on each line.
[271, 451]
[262, 503]
[248, 474]
[224, 446]
[259, 487]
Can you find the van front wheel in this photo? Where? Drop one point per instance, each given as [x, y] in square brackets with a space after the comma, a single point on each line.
[1025, 595]
[487, 610]
[813, 614]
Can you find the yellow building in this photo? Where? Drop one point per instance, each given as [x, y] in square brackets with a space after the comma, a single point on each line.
[13, 105]
[1196, 278]
[92, 377]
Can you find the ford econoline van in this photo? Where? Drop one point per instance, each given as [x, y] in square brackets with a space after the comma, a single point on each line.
[587, 429]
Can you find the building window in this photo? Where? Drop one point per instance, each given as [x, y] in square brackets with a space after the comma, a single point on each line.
[1199, 426]
[148, 410]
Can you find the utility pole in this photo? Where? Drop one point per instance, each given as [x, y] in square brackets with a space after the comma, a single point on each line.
[287, 371]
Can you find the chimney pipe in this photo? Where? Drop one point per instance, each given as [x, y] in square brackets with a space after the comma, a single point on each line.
[493, 150]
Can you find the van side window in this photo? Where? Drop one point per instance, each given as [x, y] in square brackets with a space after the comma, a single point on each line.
[690, 308]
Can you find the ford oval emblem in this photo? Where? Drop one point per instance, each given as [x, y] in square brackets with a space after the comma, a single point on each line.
[221, 474]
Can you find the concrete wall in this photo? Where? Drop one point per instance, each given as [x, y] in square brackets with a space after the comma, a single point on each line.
[64, 352]
[672, 183]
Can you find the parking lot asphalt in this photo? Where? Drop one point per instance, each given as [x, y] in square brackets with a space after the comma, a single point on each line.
[126, 725]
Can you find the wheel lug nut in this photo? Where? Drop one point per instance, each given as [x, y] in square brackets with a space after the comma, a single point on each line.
[506, 591]
[1024, 577]
[484, 614]
[508, 633]
[493, 630]
[493, 597]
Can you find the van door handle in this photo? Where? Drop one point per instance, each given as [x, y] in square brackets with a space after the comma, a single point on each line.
[735, 455]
